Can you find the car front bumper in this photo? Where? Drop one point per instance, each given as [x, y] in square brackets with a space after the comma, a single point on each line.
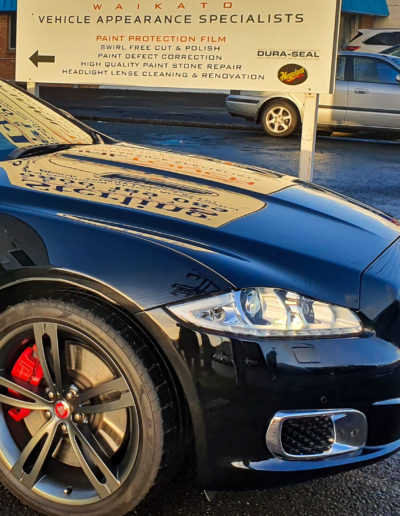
[234, 388]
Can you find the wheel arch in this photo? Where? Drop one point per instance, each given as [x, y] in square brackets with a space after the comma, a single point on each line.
[26, 284]
[58, 284]
[269, 101]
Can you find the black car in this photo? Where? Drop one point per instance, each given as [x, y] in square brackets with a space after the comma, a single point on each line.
[154, 304]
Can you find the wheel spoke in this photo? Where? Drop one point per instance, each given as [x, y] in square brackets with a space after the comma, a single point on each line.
[118, 385]
[34, 402]
[49, 330]
[278, 120]
[45, 434]
[85, 446]
[124, 401]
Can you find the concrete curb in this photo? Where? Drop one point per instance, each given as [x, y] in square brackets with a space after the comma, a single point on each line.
[173, 123]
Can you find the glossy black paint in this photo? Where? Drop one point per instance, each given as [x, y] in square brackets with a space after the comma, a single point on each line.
[143, 229]
[319, 234]
[380, 288]
[242, 384]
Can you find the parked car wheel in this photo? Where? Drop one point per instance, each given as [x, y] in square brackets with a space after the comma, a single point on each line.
[85, 433]
[279, 118]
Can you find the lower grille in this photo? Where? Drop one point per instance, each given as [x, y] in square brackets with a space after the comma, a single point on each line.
[307, 435]
[316, 434]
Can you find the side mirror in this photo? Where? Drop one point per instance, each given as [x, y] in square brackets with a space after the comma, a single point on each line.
[398, 78]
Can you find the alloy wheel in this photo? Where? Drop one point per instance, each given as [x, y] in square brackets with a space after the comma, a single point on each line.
[279, 120]
[78, 440]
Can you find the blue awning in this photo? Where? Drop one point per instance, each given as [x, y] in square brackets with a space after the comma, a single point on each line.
[371, 7]
[8, 6]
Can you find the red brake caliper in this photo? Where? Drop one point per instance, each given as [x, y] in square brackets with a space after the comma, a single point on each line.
[28, 369]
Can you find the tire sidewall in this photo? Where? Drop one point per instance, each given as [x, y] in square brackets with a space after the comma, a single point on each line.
[286, 105]
[143, 475]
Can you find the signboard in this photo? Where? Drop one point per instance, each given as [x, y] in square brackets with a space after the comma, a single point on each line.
[288, 45]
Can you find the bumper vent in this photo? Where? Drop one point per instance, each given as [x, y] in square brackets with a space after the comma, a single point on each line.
[307, 435]
[316, 434]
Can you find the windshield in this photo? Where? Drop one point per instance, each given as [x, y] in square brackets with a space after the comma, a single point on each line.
[26, 122]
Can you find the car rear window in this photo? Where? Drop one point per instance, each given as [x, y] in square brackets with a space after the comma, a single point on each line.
[396, 38]
[384, 38]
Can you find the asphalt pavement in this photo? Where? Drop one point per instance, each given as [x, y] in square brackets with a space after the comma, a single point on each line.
[146, 107]
[366, 170]
[364, 166]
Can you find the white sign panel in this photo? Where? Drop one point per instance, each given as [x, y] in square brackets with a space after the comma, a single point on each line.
[288, 45]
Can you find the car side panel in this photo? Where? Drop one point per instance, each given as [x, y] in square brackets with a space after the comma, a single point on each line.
[250, 104]
[147, 273]
[296, 99]
[374, 105]
[332, 108]
[244, 106]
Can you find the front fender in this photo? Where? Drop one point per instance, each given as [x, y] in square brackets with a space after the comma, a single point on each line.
[150, 273]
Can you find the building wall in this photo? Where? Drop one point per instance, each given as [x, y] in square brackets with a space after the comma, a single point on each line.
[367, 22]
[7, 57]
[348, 28]
[393, 20]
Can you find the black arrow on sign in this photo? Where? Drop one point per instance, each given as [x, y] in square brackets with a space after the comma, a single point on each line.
[36, 59]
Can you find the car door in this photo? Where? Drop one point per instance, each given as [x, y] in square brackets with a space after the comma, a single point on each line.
[374, 94]
[332, 108]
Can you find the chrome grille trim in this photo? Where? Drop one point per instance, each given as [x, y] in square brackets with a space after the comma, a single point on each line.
[349, 432]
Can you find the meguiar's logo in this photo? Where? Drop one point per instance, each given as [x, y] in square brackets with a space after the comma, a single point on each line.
[292, 74]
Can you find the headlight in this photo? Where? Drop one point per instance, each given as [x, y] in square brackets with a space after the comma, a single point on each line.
[268, 312]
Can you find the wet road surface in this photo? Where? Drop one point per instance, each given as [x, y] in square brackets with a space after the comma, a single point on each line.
[368, 170]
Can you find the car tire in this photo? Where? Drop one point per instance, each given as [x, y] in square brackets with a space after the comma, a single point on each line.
[114, 439]
[279, 118]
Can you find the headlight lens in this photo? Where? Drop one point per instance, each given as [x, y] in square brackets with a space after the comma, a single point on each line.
[269, 312]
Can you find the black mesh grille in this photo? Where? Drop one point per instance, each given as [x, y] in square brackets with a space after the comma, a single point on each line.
[307, 435]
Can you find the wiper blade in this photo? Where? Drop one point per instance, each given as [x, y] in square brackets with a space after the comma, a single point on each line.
[37, 150]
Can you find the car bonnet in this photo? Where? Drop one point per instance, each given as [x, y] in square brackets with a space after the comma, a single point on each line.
[255, 227]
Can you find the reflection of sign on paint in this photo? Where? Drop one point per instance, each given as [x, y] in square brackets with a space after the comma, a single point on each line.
[62, 174]
[133, 157]
[25, 121]
[189, 44]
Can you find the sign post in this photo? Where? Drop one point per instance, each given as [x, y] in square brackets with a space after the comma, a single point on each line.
[32, 88]
[308, 137]
[257, 45]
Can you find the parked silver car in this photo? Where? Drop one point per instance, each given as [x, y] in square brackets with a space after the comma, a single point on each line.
[367, 96]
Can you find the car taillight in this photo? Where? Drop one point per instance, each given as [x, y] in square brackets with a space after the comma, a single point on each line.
[352, 49]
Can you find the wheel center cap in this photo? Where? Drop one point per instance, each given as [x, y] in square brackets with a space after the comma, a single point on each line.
[62, 410]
